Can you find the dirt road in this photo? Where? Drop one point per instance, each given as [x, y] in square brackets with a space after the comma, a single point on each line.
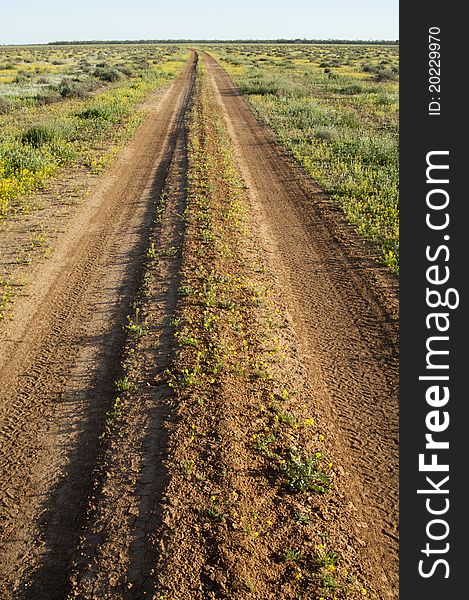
[84, 520]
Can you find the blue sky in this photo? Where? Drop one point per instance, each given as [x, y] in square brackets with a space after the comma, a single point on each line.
[32, 21]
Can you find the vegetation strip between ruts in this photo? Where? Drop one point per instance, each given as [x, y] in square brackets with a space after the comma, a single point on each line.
[242, 468]
[246, 464]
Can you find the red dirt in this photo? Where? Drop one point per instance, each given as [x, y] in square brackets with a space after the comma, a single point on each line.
[343, 311]
[61, 353]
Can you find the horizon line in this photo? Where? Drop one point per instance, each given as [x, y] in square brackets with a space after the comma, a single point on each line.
[207, 41]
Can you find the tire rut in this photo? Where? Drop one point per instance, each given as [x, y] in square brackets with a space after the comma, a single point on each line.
[343, 311]
[60, 360]
[125, 511]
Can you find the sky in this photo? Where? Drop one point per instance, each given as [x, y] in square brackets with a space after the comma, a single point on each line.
[34, 21]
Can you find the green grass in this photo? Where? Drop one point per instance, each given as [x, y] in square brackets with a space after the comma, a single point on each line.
[292, 555]
[123, 385]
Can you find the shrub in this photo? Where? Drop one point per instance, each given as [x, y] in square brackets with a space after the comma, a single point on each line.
[108, 74]
[72, 89]
[49, 97]
[125, 70]
[325, 135]
[38, 135]
[96, 112]
[352, 90]
[5, 106]
[386, 75]
[385, 99]
[143, 64]
[263, 84]
[22, 77]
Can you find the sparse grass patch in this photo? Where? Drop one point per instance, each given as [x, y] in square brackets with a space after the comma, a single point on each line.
[333, 122]
[292, 555]
[123, 385]
[302, 518]
[7, 294]
[135, 327]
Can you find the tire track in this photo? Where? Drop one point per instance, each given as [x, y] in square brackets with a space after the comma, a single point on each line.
[125, 511]
[342, 310]
[62, 353]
